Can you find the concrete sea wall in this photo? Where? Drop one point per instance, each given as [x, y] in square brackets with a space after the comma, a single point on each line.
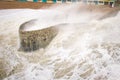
[35, 39]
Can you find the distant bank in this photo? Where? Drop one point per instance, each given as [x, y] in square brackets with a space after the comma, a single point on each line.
[16, 5]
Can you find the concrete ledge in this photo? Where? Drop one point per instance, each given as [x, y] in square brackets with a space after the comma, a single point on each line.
[35, 39]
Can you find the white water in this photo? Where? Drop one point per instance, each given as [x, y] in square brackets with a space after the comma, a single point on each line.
[87, 50]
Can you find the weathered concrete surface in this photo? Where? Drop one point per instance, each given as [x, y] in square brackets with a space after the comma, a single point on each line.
[35, 39]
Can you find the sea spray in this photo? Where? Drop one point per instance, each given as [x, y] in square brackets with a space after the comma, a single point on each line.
[88, 50]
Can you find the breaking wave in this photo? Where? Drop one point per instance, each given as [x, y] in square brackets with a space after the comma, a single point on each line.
[86, 48]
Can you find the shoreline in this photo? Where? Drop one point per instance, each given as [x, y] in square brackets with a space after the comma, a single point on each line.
[32, 5]
[19, 5]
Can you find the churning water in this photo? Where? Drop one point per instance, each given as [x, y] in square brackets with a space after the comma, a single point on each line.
[86, 48]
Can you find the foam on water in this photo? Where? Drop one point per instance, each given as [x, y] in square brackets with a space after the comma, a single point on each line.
[86, 48]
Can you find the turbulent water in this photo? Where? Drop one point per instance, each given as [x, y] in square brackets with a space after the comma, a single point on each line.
[86, 48]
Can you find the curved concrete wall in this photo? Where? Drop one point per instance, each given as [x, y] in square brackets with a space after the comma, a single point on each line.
[35, 39]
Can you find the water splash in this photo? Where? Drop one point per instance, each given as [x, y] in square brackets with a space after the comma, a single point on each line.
[86, 48]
